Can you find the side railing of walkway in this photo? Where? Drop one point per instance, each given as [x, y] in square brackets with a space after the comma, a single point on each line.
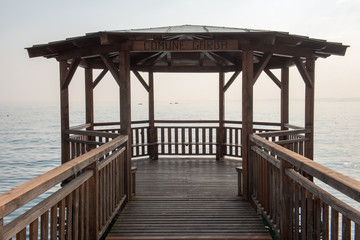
[91, 190]
[284, 186]
[186, 137]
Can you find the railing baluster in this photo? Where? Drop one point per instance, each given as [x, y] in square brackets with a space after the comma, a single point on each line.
[346, 228]
[170, 141]
[69, 216]
[357, 231]
[22, 235]
[44, 226]
[177, 141]
[163, 140]
[325, 221]
[317, 217]
[33, 231]
[143, 141]
[76, 214]
[62, 219]
[53, 223]
[334, 224]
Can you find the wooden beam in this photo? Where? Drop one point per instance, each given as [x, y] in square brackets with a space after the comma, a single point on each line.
[89, 98]
[111, 66]
[309, 109]
[231, 80]
[99, 78]
[284, 97]
[185, 45]
[64, 112]
[303, 72]
[168, 58]
[264, 61]
[153, 149]
[273, 77]
[212, 58]
[280, 50]
[70, 73]
[188, 69]
[220, 150]
[247, 116]
[201, 61]
[125, 113]
[142, 81]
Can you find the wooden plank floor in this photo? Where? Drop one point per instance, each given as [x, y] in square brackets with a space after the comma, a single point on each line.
[187, 199]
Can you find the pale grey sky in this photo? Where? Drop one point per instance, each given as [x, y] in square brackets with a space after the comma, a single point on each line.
[25, 23]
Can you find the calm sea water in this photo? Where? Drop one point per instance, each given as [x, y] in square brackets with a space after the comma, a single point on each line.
[30, 134]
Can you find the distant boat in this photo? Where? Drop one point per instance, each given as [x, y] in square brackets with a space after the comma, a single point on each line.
[176, 103]
[140, 104]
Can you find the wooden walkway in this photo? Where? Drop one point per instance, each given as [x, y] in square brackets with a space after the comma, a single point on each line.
[187, 199]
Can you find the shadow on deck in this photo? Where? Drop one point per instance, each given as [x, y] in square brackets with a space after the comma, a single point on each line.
[187, 199]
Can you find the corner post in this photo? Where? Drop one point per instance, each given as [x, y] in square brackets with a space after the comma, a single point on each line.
[247, 117]
[64, 112]
[284, 97]
[309, 109]
[153, 148]
[125, 113]
[220, 149]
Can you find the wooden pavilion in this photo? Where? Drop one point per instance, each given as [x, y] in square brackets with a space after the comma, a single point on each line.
[276, 170]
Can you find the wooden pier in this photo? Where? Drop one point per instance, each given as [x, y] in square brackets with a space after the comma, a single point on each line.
[187, 199]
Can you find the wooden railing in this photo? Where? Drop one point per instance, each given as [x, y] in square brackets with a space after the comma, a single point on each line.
[295, 206]
[186, 137]
[82, 140]
[94, 189]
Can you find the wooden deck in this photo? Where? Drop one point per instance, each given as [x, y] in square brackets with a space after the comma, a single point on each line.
[187, 199]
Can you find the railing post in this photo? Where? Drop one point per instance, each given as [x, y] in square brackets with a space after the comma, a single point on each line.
[93, 202]
[285, 202]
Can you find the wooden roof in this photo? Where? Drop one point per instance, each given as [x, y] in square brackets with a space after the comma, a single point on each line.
[202, 48]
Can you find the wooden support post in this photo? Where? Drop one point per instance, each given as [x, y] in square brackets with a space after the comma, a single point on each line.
[284, 97]
[64, 112]
[220, 147]
[89, 103]
[125, 113]
[89, 97]
[247, 116]
[153, 148]
[93, 202]
[309, 108]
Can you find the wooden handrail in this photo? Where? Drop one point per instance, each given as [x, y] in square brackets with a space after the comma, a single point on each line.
[92, 133]
[24, 193]
[283, 133]
[340, 206]
[25, 219]
[340, 182]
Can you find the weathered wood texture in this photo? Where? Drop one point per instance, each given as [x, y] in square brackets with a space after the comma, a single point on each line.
[247, 114]
[81, 209]
[281, 176]
[187, 198]
[183, 137]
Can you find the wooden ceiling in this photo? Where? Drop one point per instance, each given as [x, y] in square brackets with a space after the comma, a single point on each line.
[275, 49]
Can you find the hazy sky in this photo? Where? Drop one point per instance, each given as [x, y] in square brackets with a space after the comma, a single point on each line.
[26, 23]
